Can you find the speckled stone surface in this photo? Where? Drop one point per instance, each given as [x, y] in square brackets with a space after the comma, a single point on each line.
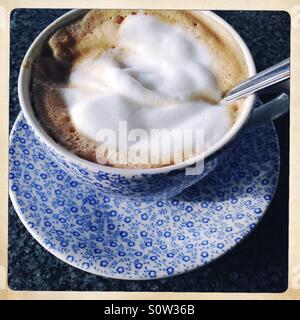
[258, 264]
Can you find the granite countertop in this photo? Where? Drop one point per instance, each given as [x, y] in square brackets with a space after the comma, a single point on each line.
[258, 264]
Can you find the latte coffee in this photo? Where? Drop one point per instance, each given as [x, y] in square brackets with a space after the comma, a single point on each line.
[149, 72]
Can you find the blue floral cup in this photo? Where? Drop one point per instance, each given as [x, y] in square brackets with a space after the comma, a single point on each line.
[154, 183]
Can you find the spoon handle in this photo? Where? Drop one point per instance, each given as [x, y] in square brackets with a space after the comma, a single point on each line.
[263, 79]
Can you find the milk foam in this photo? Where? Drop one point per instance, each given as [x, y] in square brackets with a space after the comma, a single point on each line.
[154, 78]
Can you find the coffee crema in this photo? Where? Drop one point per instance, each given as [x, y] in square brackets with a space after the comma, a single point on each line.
[153, 69]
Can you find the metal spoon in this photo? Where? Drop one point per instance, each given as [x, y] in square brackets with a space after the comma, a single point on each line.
[263, 79]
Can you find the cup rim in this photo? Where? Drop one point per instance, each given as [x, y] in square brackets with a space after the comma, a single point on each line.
[26, 104]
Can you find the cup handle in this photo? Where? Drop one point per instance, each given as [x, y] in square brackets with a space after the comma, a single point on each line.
[272, 109]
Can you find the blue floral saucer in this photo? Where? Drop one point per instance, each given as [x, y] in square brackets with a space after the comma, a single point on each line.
[136, 240]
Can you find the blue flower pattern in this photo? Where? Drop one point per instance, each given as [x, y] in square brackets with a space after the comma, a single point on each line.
[119, 238]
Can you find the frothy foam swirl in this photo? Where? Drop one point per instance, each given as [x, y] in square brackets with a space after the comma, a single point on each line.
[157, 77]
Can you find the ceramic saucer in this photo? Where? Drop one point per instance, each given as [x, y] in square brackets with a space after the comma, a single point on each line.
[135, 240]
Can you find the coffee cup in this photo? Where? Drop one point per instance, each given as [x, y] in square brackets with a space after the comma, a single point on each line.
[152, 183]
